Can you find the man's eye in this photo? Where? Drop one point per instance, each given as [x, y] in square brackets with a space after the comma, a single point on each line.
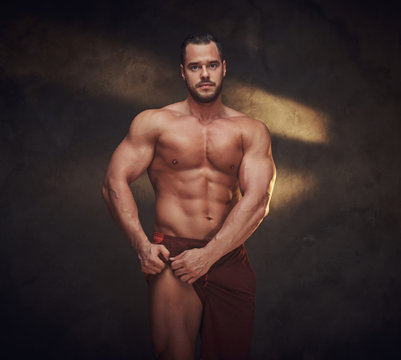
[194, 67]
[213, 66]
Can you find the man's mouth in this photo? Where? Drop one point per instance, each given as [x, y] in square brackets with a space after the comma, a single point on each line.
[205, 85]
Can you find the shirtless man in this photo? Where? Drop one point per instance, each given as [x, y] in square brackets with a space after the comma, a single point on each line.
[213, 173]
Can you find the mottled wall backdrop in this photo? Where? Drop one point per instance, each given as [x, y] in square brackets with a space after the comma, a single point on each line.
[323, 75]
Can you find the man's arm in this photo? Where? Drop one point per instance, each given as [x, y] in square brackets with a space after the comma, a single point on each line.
[131, 158]
[257, 175]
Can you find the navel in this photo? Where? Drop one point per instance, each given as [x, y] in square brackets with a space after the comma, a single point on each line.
[232, 166]
[175, 162]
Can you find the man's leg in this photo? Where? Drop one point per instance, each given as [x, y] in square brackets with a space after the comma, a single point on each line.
[176, 312]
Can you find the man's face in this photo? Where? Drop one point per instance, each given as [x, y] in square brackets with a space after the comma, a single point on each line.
[203, 72]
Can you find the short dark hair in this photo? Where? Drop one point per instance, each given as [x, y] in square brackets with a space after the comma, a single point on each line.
[200, 38]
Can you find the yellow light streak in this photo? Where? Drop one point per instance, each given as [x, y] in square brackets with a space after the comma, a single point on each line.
[283, 117]
[102, 66]
[292, 187]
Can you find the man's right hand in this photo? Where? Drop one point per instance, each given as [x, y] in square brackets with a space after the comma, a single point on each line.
[150, 260]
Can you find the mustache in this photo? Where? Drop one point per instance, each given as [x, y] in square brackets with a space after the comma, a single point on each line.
[205, 83]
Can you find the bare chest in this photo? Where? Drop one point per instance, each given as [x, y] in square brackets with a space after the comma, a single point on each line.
[189, 146]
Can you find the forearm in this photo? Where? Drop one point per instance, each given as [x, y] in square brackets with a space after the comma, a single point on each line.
[239, 225]
[123, 208]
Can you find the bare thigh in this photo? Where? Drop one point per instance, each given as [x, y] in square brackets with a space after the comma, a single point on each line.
[175, 311]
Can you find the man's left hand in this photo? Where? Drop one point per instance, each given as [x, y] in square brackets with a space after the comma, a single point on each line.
[190, 265]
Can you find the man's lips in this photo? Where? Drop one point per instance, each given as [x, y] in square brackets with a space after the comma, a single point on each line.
[205, 85]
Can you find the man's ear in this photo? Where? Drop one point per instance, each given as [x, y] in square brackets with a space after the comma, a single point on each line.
[182, 72]
[224, 68]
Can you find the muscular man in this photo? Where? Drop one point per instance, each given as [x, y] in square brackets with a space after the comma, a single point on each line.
[212, 171]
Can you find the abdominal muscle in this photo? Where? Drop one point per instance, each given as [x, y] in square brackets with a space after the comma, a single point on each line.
[193, 207]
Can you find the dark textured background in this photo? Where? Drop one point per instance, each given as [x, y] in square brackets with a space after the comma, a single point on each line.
[325, 77]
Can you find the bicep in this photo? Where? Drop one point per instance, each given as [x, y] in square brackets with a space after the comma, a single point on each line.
[134, 154]
[257, 171]
[257, 175]
[129, 162]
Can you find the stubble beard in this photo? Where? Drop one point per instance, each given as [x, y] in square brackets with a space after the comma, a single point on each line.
[205, 98]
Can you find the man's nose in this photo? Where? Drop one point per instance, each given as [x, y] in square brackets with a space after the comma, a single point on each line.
[204, 73]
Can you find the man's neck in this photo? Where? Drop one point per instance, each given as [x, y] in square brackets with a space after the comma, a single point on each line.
[205, 112]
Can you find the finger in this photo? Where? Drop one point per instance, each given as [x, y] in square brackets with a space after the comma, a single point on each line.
[176, 264]
[148, 271]
[154, 269]
[179, 272]
[179, 256]
[148, 266]
[154, 265]
[193, 279]
[163, 250]
[185, 278]
[160, 267]
[157, 262]
[190, 281]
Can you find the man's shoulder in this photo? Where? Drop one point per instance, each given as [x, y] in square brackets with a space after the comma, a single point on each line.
[154, 118]
[246, 122]
[176, 109]
[254, 133]
[153, 114]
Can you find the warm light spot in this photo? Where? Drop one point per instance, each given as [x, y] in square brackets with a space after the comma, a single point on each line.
[105, 67]
[283, 117]
[96, 64]
[292, 187]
